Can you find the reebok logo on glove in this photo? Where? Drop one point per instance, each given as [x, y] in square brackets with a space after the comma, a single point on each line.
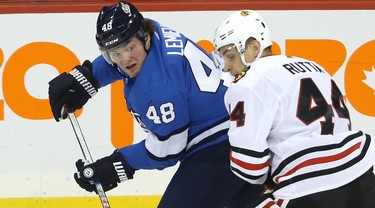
[120, 171]
[86, 84]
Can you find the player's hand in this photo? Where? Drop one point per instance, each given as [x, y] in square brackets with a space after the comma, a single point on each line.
[262, 201]
[70, 91]
[109, 171]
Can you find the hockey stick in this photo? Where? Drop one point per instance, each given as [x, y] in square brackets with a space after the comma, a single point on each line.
[86, 154]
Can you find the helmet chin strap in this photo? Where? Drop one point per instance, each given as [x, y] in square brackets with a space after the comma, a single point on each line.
[243, 59]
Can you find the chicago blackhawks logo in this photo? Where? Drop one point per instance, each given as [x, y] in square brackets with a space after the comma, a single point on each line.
[244, 13]
[242, 74]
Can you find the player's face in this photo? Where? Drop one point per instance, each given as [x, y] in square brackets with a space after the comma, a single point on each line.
[232, 59]
[129, 57]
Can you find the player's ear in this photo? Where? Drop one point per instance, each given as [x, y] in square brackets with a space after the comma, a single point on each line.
[254, 47]
[147, 41]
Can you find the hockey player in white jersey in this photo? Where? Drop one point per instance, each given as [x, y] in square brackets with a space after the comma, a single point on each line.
[290, 128]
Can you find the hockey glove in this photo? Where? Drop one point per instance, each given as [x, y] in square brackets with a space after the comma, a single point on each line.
[269, 184]
[109, 171]
[71, 90]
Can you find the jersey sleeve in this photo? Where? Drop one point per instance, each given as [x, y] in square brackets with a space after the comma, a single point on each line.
[251, 119]
[152, 153]
[166, 118]
[103, 72]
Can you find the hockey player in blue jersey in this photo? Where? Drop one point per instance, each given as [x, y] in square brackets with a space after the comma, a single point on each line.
[174, 91]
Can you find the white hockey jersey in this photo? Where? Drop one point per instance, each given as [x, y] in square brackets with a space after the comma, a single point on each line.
[289, 119]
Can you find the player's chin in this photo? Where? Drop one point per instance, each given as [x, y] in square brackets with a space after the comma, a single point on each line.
[132, 73]
[234, 74]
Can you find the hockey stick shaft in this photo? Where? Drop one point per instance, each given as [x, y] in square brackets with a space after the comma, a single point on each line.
[86, 154]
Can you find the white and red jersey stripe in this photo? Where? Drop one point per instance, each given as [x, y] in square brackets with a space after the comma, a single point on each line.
[288, 117]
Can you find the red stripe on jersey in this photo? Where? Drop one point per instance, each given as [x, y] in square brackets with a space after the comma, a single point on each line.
[269, 204]
[249, 166]
[322, 160]
[279, 202]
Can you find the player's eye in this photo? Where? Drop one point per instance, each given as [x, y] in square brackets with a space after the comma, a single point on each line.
[115, 55]
[129, 49]
[229, 57]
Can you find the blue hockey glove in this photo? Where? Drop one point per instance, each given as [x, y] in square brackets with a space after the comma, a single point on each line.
[109, 171]
[71, 90]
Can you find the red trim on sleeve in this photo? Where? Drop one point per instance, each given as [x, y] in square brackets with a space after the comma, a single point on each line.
[249, 166]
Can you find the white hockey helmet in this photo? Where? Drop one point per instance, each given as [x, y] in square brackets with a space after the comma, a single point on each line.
[240, 26]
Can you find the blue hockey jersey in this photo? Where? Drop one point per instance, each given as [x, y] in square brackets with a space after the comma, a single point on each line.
[177, 97]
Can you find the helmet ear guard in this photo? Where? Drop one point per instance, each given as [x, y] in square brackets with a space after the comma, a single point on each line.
[238, 28]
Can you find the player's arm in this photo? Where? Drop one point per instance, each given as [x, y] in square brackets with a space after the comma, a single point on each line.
[154, 153]
[250, 124]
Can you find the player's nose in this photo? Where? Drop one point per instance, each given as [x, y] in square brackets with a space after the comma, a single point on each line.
[226, 68]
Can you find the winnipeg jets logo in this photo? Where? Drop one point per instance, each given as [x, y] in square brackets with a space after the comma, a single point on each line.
[126, 9]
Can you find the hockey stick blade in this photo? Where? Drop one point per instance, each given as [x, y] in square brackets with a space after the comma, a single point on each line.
[86, 154]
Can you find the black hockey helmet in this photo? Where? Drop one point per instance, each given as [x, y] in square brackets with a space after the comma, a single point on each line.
[117, 24]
